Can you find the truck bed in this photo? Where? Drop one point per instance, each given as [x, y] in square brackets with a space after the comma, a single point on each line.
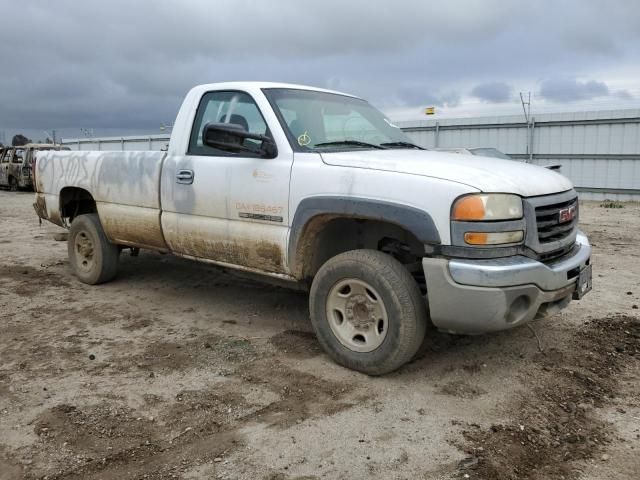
[125, 186]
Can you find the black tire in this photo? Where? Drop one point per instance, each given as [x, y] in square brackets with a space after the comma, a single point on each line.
[405, 307]
[13, 184]
[92, 257]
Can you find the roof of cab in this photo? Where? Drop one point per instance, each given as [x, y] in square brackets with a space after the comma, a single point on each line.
[260, 85]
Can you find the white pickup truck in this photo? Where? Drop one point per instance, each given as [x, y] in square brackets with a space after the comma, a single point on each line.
[320, 189]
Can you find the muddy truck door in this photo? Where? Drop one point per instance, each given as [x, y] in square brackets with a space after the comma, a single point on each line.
[224, 205]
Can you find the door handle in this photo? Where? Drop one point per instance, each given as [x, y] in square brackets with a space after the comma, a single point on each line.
[185, 177]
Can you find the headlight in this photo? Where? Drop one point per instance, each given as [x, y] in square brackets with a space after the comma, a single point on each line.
[487, 206]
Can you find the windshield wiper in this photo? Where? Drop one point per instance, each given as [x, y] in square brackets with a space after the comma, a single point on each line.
[356, 143]
[401, 144]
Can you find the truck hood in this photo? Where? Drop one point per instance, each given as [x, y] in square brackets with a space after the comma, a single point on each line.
[483, 173]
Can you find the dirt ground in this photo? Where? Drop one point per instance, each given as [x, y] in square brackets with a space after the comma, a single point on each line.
[179, 370]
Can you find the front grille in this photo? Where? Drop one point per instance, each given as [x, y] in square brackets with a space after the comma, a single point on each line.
[550, 229]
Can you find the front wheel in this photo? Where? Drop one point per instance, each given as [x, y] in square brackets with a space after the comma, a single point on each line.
[92, 257]
[367, 311]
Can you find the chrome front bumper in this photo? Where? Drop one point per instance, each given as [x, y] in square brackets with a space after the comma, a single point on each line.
[478, 296]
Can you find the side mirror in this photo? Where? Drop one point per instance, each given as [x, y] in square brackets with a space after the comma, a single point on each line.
[230, 137]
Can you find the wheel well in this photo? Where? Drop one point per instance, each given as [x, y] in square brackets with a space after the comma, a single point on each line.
[326, 236]
[75, 201]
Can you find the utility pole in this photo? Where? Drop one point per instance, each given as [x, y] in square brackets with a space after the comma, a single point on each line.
[526, 108]
[51, 135]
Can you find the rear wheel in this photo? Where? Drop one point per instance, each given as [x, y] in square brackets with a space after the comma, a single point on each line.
[92, 257]
[367, 311]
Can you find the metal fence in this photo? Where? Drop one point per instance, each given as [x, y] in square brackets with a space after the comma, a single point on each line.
[598, 151]
[140, 142]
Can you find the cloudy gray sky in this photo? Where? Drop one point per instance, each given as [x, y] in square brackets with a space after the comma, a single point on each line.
[122, 66]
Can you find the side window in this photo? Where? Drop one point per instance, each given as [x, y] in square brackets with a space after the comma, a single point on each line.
[18, 155]
[5, 156]
[226, 107]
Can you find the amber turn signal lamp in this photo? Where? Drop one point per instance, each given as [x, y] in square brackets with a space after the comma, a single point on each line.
[469, 208]
[475, 238]
[493, 238]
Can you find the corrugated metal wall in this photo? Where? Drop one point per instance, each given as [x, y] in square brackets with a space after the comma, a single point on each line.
[142, 142]
[598, 151]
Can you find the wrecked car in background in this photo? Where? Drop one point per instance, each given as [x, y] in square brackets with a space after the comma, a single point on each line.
[17, 165]
[11, 165]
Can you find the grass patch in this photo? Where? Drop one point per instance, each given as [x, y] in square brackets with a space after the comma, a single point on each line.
[611, 204]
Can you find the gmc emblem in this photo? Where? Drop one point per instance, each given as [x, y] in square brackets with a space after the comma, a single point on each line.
[567, 214]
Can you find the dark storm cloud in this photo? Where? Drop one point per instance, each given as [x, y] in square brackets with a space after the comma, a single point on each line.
[127, 64]
[624, 94]
[423, 95]
[571, 90]
[493, 92]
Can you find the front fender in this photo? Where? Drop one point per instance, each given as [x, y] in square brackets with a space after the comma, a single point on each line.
[414, 220]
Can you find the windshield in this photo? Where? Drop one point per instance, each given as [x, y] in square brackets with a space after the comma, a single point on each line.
[319, 121]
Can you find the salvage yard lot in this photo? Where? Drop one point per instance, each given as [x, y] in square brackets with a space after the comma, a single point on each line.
[180, 370]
